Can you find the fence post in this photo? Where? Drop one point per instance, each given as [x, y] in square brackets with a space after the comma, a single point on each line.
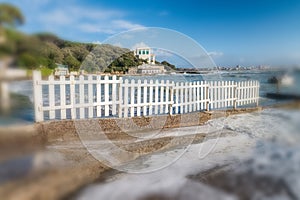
[106, 95]
[126, 98]
[171, 99]
[114, 95]
[81, 97]
[167, 96]
[98, 96]
[145, 93]
[190, 97]
[139, 97]
[62, 87]
[72, 97]
[235, 95]
[38, 98]
[156, 97]
[177, 98]
[120, 98]
[150, 96]
[161, 97]
[207, 96]
[90, 97]
[257, 93]
[132, 95]
[5, 96]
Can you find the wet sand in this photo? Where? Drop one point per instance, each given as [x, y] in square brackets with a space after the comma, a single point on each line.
[245, 185]
[58, 164]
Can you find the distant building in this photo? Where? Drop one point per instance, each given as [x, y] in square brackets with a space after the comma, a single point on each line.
[146, 54]
[61, 70]
[150, 69]
[132, 70]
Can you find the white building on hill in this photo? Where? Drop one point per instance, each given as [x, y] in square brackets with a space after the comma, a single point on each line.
[146, 54]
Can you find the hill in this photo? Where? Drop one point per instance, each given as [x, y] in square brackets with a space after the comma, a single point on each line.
[45, 49]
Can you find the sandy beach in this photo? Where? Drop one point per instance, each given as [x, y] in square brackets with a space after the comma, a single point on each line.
[51, 161]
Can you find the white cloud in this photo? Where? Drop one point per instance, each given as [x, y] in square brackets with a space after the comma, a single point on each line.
[69, 18]
[57, 17]
[109, 28]
[139, 45]
[95, 28]
[74, 14]
[123, 24]
[215, 54]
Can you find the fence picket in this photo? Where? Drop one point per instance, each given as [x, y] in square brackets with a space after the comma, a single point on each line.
[98, 96]
[72, 97]
[139, 92]
[145, 98]
[167, 92]
[181, 97]
[189, 97]
[156, 97]
[126, 86]
[38, 96]
[150, 97]
[132, 95]
[171, 104]
[176, 98]
[114, 95]
[161, 99]
[62, 88]
[51, 97]
[121, 102]
[90, 97]
[257, 92]
[106, 96]
[231, 94]
[202, 95]
[81, 97]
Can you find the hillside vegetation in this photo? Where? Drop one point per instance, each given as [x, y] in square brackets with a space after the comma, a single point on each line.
[45, 50]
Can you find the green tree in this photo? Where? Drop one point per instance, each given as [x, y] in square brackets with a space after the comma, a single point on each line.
[28, 61]
[165, 63]
[10, 15]
[72, 62]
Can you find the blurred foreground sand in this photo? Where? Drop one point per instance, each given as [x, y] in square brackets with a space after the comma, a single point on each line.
[48, 161]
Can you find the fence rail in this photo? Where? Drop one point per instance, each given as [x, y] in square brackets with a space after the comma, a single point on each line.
[106, 96]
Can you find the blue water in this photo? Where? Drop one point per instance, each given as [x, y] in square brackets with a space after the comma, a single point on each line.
[22, 111]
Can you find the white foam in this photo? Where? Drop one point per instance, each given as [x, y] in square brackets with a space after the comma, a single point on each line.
[172, 178]
[251, 131]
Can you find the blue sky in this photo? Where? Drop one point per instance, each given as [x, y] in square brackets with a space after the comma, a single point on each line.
[245, 32]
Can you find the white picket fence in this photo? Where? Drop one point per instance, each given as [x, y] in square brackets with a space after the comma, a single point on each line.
[106, 96]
